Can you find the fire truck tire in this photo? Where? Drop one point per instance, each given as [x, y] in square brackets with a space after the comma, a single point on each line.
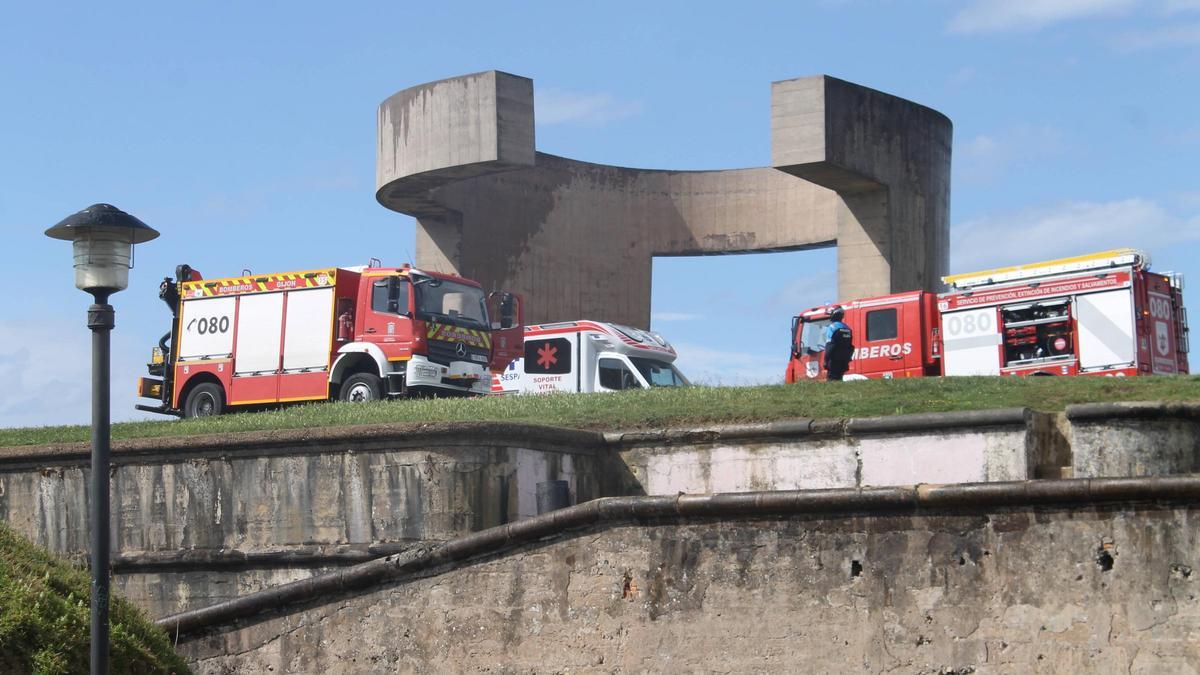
[204, 400]
[361, 387]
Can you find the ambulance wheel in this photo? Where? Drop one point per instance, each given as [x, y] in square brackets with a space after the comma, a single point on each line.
[361, 387]
[204, 400]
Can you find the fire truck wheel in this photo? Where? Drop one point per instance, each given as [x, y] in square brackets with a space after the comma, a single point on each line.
[204, 400]
[361, 387]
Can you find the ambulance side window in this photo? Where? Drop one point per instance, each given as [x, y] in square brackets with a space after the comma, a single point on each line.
[881, 324]
[614, 375]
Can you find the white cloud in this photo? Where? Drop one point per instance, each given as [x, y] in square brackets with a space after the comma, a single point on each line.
[1066, 229]
[674, 316]
[1004, 16]
[1179, 35]
[556, 106]
[804, 292]
[705, 365]
[1186, 137]
[981, 146]
[48, 382]
[1176, 6]
[986, 157]
[962, 76]
[1188, 199]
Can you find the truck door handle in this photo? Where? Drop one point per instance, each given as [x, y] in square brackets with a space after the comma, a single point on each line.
[369, 330]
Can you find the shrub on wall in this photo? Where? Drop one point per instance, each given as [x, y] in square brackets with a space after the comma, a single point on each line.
[45, 619]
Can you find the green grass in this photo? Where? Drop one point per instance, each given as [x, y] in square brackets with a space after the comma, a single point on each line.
[45, 620]
[666, 407]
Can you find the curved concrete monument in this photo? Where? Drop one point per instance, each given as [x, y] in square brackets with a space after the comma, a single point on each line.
[851, 167]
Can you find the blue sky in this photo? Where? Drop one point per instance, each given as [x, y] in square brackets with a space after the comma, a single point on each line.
[245, 133]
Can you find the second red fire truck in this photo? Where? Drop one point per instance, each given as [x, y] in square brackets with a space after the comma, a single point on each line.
[1099, 314]
[349, 333]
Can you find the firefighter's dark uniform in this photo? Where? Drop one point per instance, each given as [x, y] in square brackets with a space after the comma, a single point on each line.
[839, 347]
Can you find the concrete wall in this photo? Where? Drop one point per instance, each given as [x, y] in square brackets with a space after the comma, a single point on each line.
[1026, 590]
[199, 521]
[854, 167]
[1134, 439]
[213, 517]
[997, 445]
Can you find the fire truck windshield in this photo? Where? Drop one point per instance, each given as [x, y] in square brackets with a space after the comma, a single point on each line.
[812, 335]
[659, 374]
[450, 302]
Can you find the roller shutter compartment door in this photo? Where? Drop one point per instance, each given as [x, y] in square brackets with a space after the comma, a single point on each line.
[260, 323]
[1105, 329]
[309, 330]
[971, 342]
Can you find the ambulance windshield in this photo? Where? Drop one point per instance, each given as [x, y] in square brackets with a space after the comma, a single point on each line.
[450, 302]
[812, 335]
[659, 374]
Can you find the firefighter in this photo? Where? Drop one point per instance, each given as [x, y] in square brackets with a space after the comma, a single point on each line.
[839, 345]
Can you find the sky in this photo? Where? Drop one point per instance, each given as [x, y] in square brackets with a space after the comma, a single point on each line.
[245, 134]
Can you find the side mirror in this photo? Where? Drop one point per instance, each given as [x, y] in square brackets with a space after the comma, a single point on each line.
[393, 301]
[504, 305]
[506, 311]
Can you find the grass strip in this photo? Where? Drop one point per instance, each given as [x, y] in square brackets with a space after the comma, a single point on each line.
[658, 408]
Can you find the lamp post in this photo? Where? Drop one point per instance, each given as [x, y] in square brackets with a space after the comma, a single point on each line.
[103, 237]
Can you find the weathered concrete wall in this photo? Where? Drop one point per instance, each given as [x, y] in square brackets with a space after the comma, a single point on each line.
[1037, 590]
[996, 445]
[1087, 441]
[854, 167]
[204, 520]
[199, 512]
[1134, 439]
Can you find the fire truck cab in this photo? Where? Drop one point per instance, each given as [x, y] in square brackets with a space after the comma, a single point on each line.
[889, 338]
[1098, 314]
[349, 333]
[587, 356]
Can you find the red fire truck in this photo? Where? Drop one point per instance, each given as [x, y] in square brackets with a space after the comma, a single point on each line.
[349, 333]
[1099, 314]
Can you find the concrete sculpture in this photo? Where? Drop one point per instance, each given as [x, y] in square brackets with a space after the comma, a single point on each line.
[851, 167]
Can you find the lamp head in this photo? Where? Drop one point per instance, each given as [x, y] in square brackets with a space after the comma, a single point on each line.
[103, 237]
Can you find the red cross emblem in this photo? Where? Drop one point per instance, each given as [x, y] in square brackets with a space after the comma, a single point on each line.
[546, 356]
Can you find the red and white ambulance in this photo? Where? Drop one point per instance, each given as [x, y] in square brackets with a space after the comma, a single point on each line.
[354, 333]
[587, 356]
[1098, 314]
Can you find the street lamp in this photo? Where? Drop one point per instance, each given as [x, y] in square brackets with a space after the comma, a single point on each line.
[103, 238]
